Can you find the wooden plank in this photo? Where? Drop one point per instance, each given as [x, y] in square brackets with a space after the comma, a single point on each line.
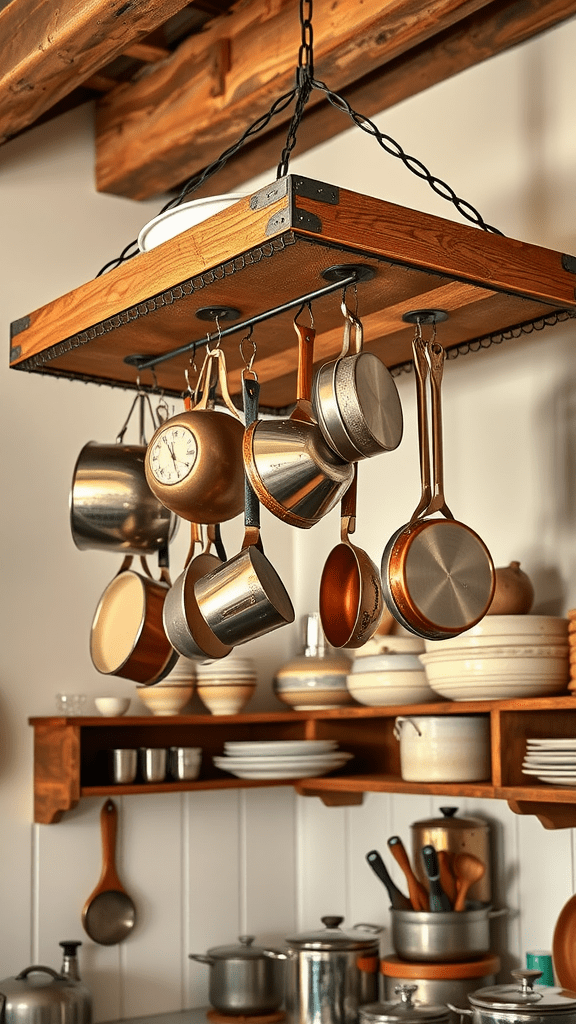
[483, 34]
[154, 133]
[49, 49]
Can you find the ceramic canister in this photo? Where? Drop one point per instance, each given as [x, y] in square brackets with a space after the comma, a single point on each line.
[315, 679]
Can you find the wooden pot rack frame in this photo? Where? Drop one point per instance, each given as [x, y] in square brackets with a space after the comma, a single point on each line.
[71, 754]
[267, 252]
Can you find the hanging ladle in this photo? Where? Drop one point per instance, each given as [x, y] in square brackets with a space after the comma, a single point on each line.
[109, 914]
[350, 588]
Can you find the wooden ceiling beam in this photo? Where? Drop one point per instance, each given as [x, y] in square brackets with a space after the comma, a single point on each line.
[483, 34]
[154, 133]
[49, 49]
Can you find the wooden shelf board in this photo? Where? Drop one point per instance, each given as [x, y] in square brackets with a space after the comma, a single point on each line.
[393, 784]
[181, 787]
[262, 253]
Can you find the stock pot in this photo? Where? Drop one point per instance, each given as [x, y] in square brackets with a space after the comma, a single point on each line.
[330, 973]
[244, 979]
[520, 1003]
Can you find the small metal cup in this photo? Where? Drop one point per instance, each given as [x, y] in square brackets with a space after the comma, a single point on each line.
[243, 598]
[184, 762]
[153, 764]
[123, 765]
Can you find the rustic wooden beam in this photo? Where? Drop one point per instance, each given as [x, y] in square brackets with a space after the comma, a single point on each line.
[49, 49]
[155, 132]
[482, 35]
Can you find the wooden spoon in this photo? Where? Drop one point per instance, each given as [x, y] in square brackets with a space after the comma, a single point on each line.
[109, 913]
[467, 869]
[447, 875]
[416, 891]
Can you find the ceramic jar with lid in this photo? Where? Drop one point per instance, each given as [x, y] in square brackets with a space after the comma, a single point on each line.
[404, 1010]
[454, 835]
[316, 679]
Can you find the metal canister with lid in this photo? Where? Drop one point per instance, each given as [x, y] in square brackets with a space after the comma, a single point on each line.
[403, 1011]
[455, 835]
[521, 1003]
[331, 973]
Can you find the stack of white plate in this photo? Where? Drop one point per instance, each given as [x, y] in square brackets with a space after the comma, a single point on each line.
[551, 760]
[281, 759]
[502, 657]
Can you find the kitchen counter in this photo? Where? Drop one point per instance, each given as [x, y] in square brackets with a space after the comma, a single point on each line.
[196, 1015]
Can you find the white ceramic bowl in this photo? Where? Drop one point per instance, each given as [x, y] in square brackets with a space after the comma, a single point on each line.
[497, 643]
[501, 689]
[540, 653]
[111, 707]
[377, 689]
[516, 625]
[226, 697]
[469, 678]
[390, 645]
[164, 698]
[180, 218]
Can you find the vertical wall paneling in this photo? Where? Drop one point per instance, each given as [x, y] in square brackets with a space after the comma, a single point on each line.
[270, 868]
[322, 882]
[544, 882]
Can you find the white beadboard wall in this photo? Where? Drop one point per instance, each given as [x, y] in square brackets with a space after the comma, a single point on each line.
[206, 867]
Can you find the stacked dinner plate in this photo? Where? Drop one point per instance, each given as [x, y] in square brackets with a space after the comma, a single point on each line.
[551, 760]
[281, 759]
[503, 656]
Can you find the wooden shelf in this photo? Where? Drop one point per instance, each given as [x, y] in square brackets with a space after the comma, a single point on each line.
[71, 754]
[269, 249]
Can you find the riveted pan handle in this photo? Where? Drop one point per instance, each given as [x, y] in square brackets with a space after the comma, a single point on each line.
[303, 410]
[435, 355]
[251, 394]
[422, 369]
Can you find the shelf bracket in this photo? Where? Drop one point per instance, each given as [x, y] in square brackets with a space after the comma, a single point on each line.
[550, 815]
[56, 770]
[335, 798]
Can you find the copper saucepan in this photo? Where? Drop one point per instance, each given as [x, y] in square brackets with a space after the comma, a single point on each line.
[245, 597]
[438, 576]
[355, 399]
[185, 627]
[294, 473]
[194, 460]
[127, 637]
[350, 588]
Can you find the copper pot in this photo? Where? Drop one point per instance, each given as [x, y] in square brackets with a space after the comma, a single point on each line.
[454, 835]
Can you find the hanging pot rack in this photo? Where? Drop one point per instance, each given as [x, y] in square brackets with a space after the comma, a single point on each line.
[296, 242]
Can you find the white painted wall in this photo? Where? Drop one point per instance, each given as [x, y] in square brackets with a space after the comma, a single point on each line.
[206, 867]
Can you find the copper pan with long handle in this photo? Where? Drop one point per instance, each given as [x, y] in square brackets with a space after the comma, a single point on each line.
[350, 588]
[292, 470]
[438, 575]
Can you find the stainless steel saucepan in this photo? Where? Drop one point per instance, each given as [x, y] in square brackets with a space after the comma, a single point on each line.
[356, 401]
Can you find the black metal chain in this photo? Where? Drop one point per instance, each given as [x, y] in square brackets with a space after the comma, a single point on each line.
[305, 84]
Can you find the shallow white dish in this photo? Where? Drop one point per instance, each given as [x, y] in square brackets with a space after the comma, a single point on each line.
[277, 762]
[551, 757]
[283, 747]
[552, 743]
[558, 780]
[303, 770]
[506, 688]
[181, 218]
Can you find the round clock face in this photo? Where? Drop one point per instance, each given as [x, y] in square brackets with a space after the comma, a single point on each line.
[173, 454]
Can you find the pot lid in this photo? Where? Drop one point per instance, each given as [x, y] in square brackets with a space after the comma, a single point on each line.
[521, 996]
[450, 821]
[332, 936]
[244, 951]
[403, 1010]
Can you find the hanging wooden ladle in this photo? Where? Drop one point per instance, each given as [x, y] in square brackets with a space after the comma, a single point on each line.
[438, 575]
[350, 589]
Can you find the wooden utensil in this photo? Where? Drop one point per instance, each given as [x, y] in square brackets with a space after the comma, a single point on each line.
[447, 878]
[109, 914]
[417, 892]
[467, 869]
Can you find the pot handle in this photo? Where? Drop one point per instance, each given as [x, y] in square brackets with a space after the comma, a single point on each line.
[39, 967]
[463, 1013]
[497, 913]
[375, 928]
[274, 954]
[398, 722]
[201, 958]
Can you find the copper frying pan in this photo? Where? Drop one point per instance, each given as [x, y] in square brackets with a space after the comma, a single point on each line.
[350, 588]
[438, 574]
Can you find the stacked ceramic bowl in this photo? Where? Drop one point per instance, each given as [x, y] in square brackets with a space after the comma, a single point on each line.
[171, 695]
[502, 657]
[225, 686]
[390, 673]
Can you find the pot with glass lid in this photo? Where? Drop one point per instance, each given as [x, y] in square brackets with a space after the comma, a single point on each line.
[521, 1003]
[403, 1011]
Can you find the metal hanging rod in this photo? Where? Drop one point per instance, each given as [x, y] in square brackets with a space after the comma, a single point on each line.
[359, 273]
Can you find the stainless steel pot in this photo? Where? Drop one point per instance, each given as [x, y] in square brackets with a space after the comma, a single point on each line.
[434, 936]
[331, 973]
[403, 1010]
[520, 1003]
[244, 979]
[40, 995]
